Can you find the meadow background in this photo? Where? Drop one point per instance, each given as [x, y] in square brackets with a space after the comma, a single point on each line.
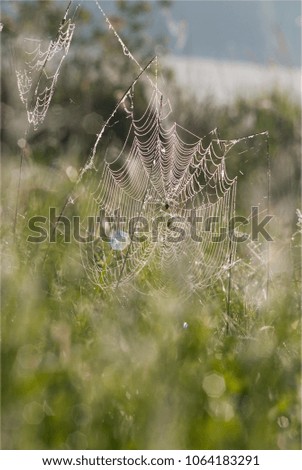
[81, 370]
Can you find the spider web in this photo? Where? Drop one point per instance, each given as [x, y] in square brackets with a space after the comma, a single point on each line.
[160, 182]
[162, 202]
[37, 79]
[163, 180]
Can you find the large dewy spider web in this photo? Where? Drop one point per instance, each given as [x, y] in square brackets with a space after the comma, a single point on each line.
[164, 181]
[168, 182]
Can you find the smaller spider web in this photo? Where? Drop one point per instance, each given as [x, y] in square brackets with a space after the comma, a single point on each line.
[163, 181]
[38, 77]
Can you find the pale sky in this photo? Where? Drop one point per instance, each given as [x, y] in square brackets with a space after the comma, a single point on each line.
[261, 31]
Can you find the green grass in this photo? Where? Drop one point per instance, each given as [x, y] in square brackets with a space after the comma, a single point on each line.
[83, 371]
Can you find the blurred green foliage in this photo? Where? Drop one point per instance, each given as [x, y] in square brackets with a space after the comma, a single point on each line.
[84, 371]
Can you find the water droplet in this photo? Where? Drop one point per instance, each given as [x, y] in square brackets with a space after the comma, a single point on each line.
[119, 240]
